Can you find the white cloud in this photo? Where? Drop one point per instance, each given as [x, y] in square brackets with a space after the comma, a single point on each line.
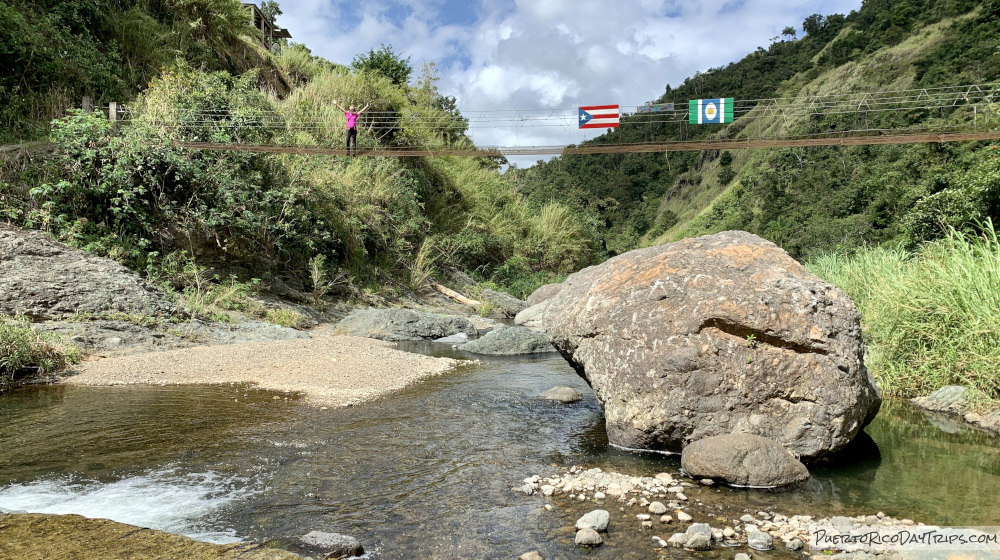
[552, 54]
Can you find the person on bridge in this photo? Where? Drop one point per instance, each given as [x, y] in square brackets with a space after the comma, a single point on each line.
[352, 125]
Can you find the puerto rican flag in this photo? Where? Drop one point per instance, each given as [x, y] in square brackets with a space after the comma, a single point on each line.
[599, 116]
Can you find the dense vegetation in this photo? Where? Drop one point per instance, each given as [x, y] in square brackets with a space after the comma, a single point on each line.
[809, 200]
[366, 226]
[932, 318]
[25, 351]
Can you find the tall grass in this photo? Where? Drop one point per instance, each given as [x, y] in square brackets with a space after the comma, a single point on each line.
[26, 351]
[931, 318]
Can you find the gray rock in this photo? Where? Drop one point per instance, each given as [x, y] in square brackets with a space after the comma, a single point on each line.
[532, 317]
[951, 398]
[842, 521]
[759, 540]
[403, 324]
[564, 395]
[743, 460]
[46, 280]
[699, 528]
[597, 520]
[544, 293]
[509, 342]
[795, 545]
[533, 555]
[588, 537]
[657, 508]
[678, 539]
[714, 335]
[698, 541]
[333, 545]
[683, 517]
[506, 304]
[460, 338]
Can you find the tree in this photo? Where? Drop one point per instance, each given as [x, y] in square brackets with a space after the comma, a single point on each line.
[789, 32]
[813, 24]
[270, 10]
[386, 62]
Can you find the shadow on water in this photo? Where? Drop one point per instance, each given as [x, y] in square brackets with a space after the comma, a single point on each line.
[427, 473]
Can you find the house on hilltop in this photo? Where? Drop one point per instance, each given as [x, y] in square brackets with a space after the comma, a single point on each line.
[268, 31]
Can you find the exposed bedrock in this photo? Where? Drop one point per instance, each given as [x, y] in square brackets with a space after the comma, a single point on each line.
[713, 335]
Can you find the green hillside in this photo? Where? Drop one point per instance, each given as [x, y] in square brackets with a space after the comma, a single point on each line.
[808, 200]
[193, 70]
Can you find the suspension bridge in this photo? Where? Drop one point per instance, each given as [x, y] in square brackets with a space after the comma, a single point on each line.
[978, 103]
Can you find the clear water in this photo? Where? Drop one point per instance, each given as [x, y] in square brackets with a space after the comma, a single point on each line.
[425, 473]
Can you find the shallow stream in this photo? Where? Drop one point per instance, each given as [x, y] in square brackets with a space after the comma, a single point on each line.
[425, 473]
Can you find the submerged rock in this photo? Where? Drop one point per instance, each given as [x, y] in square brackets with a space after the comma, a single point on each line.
[743, 460]
[588, 537]
[564, 395]
[332, 545]
[509, 342]
[715, 335]
[460, 338]
[403, 324]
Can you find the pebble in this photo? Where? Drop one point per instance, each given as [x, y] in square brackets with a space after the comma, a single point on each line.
[707, 481]
[742, 556]
[548, 507]
[647, 524]
[599, 495]
[681, 497]
[759, 540]
[657, 508]
[533, 555]
[597, 520]
[548, 489]
[683, 517]
[665, 519]
[728, 532]
[642, 517]
[795, 545]
[747, 518]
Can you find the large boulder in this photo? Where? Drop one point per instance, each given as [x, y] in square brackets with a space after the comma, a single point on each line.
[709, 336]
[544, 293]
[503, 303]
[743, 460]
[46, 280]
[511, 341]
[403, 324]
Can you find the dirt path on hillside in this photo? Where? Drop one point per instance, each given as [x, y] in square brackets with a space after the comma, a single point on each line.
[328, 369]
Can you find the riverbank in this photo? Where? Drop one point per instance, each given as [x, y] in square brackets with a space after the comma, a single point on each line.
[328, 369]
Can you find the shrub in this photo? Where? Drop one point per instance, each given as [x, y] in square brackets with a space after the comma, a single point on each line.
[25, 351]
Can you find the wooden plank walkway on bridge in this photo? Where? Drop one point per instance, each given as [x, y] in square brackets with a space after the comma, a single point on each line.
[679, 146]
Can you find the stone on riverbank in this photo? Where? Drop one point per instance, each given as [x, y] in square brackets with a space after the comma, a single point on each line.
[565, 395]
[332, 545]
[46, 280]
[743, 460]
[714, 335]
[503, 303]
[533, 555]
[403, 324]
[511, 341]
[954, 400]
[532, 317]
[759, 540]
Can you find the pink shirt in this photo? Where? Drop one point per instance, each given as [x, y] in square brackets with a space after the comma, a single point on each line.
[352, 118]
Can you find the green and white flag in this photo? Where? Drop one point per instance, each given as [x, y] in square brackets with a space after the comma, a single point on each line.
[710, 111]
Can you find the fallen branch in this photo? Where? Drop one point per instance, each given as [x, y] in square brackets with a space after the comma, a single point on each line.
[455, 295]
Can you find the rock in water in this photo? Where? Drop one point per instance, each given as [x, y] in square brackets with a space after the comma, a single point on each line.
[333, 545]
[718, 334]
[588, 537]
[565, 395]
[44, 279]
[759, 540]
[403, 324]
[504, 303]
[743, 460]
[509, 342]
[532, 317]
[597, 520]
[533, 555]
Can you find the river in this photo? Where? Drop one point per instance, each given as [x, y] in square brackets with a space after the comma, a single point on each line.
[424, 473]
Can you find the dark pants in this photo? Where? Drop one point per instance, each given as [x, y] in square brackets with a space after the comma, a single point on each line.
[352, 134]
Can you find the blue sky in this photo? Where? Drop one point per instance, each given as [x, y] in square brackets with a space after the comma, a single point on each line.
[550, 54]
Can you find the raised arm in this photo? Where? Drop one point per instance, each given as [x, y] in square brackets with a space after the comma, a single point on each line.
[367, 105]
[338, 106]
